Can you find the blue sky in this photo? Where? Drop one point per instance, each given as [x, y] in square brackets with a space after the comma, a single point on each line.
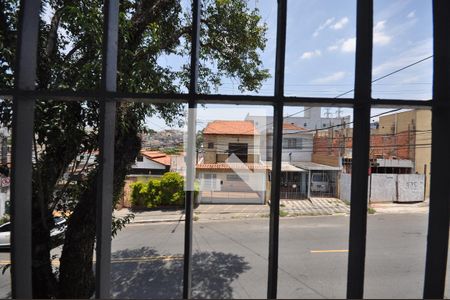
[320, 51]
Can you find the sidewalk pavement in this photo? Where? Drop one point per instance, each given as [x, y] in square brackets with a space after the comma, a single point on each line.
[401, 208]
[202, 212]
[288, 208]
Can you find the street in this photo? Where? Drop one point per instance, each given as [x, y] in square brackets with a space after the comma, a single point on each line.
[230, 258]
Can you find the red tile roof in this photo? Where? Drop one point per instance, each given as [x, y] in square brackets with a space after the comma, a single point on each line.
[231, 127]
[157, 156]
[225, 166]
[289, 126]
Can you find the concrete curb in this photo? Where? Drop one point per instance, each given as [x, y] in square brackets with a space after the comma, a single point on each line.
[157, 221]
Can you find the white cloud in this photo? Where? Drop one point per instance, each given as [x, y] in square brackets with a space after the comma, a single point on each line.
[411, 14]
[330, 78]
[416, 52]
[323, 26]
[380, 38]
[333, 47]
[311, 54]
[349, 45]
[339, 24]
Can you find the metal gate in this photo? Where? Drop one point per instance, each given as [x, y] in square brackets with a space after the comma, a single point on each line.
[293, 186]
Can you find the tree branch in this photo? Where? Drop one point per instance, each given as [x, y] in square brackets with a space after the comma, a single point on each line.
[53, 32]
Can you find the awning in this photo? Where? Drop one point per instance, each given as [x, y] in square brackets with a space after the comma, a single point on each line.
[311, 166]
[285, 167]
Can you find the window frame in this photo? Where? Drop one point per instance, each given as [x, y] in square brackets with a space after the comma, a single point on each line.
[24, 96]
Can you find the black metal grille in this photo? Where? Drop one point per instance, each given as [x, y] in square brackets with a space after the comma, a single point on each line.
[24, 97]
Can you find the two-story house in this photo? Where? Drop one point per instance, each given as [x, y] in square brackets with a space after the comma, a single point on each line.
[231, 170]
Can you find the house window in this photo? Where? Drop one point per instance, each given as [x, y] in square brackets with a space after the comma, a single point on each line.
[210, 145]
[240, 150]
[292, 143]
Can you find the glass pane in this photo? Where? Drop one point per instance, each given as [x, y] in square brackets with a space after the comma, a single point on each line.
[8, 38]
[231, 220]
[320, 48]
[238, 47]
[399, 178]
[147, 255]
[5, 225]
[402, 38]
[70, 46]
[315, 195]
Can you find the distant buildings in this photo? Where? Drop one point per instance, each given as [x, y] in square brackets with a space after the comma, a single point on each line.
[168, 138]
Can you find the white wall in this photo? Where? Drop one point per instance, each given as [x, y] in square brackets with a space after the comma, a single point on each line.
[388, 187]
[383, 188]
[3, 198]
[148, 164]
[411, 187]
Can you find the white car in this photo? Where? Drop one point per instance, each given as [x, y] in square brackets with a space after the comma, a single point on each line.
[5, 232]
[320, 183]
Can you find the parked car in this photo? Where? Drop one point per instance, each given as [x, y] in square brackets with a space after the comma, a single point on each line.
[5, 233]
[320, 183]
[56, 234]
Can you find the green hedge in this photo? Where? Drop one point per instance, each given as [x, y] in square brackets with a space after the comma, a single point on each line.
[165, 191]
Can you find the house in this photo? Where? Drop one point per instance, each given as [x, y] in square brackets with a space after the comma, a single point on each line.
[231, 170]
[300, 177]
[413, 131]
[151, 163]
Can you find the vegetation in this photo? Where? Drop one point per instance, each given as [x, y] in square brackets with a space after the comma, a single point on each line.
[4, 219]
[69, 58]
[167, 191]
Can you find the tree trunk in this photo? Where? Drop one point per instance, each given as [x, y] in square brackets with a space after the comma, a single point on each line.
[76, 274]
[76, 269]
[44, 281]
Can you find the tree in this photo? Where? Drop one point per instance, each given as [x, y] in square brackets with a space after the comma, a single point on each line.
[70, 36]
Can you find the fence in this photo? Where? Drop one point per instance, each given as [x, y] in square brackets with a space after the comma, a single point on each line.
[388, 187]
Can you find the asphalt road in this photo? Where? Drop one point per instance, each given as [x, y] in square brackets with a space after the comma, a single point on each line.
[230, 258]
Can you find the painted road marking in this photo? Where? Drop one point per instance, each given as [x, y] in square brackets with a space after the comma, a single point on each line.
[329, 251]
[123, 260]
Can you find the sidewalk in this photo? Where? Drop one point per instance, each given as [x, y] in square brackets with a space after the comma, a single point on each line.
[202, 212]
[401, 208]
[288, 208]
[292, 208]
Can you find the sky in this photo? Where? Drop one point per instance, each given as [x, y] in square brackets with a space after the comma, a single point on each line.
[320, 53]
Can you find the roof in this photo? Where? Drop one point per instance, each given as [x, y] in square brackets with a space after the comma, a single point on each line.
[285, 167]
[230, 166]
[157, 156]
[395, 163]
[311, 166]
[231, 127]
[291, 126]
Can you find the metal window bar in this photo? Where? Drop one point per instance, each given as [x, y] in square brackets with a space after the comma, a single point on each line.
[274, 222]
[24, 95]
[106, 151]
[438, 223]
[190, 153]
[22, 136]
[360, 150]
